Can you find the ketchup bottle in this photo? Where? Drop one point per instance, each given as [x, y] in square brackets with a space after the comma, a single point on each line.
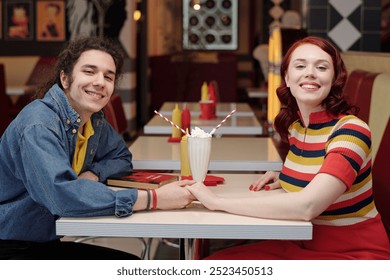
[186, 118]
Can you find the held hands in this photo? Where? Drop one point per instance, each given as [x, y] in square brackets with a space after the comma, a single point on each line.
[174, 195]
[269, 181]
[204, 195]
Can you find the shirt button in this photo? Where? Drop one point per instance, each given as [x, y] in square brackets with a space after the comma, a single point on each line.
[74, 131]
[78, 120]
[67, 121]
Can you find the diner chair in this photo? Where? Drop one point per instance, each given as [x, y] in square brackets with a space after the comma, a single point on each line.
[145, 244]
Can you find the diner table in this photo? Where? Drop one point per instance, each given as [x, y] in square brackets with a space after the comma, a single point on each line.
[192, 223]
[235, 125]
[18, 90]
[227, 154]
[222, 110]
[15, 92]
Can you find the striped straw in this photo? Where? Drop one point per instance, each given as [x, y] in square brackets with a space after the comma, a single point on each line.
[171, 122]
[222, 122]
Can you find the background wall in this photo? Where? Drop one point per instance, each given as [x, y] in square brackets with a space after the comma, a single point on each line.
[351, 24]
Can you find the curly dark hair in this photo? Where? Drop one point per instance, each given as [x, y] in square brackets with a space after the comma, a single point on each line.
[69, 56]
[335, 103]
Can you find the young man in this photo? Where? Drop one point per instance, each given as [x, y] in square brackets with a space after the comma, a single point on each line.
[57, 154]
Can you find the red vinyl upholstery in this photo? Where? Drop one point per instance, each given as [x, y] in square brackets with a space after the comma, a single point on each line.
[115, 114]
[353, 84]
[369, 92]
[358, 90]
[381, 178]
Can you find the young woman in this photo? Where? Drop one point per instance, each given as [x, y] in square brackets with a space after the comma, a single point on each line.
[326, 177]
[57, 154]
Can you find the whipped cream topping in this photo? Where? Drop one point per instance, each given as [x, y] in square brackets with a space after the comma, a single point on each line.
[200, 133]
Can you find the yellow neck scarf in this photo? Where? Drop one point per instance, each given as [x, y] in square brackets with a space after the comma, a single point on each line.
[81, 147]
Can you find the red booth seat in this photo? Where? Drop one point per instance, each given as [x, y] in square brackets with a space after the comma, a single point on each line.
[370, 92]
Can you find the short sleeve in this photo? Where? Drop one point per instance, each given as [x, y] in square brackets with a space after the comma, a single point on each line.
[348, 150]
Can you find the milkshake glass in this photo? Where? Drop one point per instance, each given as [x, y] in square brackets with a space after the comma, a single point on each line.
[199, 149]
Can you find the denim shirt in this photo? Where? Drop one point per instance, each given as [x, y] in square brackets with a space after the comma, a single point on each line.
[37, 182]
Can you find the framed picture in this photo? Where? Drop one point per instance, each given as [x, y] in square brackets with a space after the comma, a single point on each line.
[50, 20]
[18, 20]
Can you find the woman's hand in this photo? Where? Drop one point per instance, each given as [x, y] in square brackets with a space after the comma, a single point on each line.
[174, 195]
[204, 195]
[269, 181]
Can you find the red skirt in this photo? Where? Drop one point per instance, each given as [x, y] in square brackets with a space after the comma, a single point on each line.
[364, 241]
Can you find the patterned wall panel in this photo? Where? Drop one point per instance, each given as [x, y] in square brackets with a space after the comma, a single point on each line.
[210, 24]
[350, 24]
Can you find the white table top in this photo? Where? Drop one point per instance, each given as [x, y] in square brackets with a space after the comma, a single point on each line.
[195, 222]
[236, 125]
[223, 108]
[227, 154]
[18, 90]
[257, 92]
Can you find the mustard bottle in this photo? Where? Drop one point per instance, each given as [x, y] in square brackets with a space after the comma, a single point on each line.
[204, 92]
[176, 118]
[184, 163]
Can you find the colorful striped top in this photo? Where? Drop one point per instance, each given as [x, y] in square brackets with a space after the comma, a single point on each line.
[339, 146]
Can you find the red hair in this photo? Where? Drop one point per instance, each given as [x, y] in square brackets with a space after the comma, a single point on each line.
[334, 103]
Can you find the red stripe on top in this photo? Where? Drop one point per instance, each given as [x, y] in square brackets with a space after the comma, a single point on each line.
[308, 146]
[358, 128]
[351, 201]
[298, 174]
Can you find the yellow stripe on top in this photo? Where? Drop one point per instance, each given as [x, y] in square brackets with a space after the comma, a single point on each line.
[81, 147]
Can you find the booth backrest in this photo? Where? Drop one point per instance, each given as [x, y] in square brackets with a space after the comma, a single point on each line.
[371, 93]
[379, 111]
[358, 90]
[115, 114]
[381, 178]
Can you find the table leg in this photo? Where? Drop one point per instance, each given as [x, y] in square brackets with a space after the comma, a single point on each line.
[182, 249]
[191, 249]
